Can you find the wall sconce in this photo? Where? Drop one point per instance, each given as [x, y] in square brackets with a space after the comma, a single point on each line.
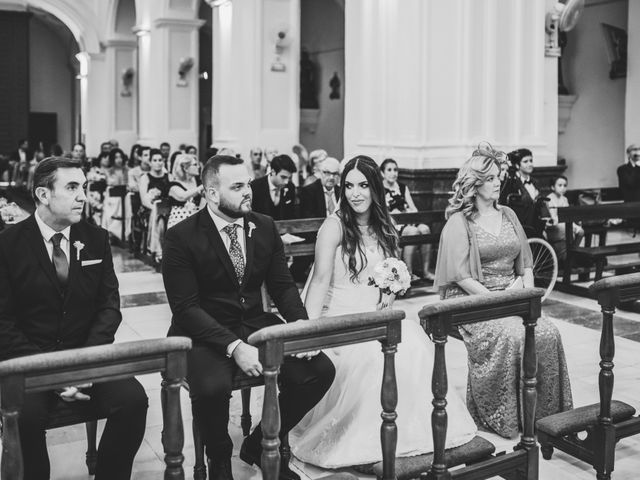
[127, 81]
[184, 67]
[281, 44]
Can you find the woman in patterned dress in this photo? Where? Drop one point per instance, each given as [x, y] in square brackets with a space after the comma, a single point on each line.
[484, 248]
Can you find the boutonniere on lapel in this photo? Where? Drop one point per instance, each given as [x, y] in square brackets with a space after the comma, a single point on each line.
[252, 226]
[79, 246]
[285, 190]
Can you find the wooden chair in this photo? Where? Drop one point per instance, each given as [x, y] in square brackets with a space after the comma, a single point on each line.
[278, 341]
[48, 371]
[605, 422]
[439, 320]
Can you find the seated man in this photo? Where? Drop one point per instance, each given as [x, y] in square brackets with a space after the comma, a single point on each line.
[629, 175]
[58, 290]
[213, 267]
[275, 193]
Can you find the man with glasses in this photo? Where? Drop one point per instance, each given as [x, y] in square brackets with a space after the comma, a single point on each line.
[319, 199]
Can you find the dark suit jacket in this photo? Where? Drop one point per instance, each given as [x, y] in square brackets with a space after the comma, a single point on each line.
[36, 314]
[313, 203]
[207, 302]
[262, 202]
[629, 182]
[514, 195]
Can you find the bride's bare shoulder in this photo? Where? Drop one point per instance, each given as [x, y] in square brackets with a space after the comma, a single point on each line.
[331, 230]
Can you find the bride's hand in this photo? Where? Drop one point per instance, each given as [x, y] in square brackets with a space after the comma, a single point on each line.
[386, 301]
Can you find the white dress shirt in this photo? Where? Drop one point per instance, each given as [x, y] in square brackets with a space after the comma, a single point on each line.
[47, 232]
[533, 191]
[221, 223]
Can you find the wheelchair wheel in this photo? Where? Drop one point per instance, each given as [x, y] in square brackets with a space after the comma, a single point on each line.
[545, 265]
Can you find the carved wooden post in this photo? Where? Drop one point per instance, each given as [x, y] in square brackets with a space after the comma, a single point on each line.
[12, 398]
[439, 419]
[173, 432]
[271, 355]
[245, 418]
[529, 367]
[199, 468]
[605, 431]
[389, 401]
[92, 453]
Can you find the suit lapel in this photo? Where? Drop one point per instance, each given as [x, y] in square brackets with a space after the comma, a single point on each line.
[249, 244]
[40, 251]
[214, 237]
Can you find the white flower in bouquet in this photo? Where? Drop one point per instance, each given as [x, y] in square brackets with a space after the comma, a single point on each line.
[391, 276]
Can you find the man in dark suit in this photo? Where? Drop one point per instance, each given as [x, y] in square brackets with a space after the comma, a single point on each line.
[19, 162]
[629, 175]
[58, 290]
[318, 199]
[520, 192]
[275, 193]
[214, 264]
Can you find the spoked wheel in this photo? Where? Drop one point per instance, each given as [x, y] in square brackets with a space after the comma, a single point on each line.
[545, 265]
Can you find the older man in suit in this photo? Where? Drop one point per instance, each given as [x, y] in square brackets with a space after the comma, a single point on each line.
[275, 193]
[318, 199]
[58, 290]
[213, 267]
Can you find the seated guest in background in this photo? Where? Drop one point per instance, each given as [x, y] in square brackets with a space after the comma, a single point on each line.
[269, 154]
[185, 189]
[165, 150]
[275, 194]
[629, 175]
[117, 171]
[154, 186]
[556, 233]
[319, 199]
[214, 295]
[315, 158]
[79, 153]
[520, 192]
[191, 150]
[97, 178]
[134, 173]
[483, 248]
[259, 170]
[105, 147]
[398, 200]
[19, 163]
[51, 300]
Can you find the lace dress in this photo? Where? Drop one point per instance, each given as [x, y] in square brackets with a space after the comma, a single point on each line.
[343, 429]
[495, 347]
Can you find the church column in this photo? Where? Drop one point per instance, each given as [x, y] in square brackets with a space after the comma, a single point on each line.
[168, 76]
[94, 100]
[255, 90]
[426, 81]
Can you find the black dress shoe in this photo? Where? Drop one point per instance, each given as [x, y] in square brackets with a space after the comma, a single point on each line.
[220, 470]
[250, 453]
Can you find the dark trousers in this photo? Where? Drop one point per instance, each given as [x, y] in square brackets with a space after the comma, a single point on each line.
[302, 383]
[123, 402]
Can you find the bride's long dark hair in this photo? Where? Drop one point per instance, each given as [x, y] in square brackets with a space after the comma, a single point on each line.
[380, 221]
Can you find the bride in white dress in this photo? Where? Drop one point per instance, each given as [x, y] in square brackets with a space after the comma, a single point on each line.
[343, 429]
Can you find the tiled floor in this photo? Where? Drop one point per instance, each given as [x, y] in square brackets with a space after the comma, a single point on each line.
[146, 315]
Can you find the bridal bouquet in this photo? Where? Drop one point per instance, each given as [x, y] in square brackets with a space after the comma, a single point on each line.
[392, 277]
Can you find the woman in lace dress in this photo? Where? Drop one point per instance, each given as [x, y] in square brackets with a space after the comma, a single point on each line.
[344, 428]
[484, 248]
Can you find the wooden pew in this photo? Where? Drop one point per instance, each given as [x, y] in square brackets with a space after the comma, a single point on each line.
[599, 254]
[439, 320]
[277, 341]
[433, 218]
[49, 371]
[605, 422]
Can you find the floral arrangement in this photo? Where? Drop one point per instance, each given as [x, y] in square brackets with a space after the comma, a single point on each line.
[391, 276]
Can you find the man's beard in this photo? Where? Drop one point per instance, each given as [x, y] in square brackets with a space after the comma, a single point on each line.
[230, 210]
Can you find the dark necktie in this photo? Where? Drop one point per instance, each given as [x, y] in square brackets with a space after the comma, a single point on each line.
[59, 259]
[235, 251]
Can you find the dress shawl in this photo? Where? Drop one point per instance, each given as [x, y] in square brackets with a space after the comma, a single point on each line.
[458, 254]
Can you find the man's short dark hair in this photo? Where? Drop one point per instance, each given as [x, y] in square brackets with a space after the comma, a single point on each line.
[212, 168]
[283, 162]
[45, 173]
[154, 151]
[516, 156]
[142, 149]
[165, 144]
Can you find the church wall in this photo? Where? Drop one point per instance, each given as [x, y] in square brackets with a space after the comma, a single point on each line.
[51, 79]
[594, 141]
[322, 32]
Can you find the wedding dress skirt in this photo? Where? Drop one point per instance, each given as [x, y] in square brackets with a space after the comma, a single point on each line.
[343, 429]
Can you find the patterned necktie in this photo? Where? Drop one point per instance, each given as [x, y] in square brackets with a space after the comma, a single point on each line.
[235, 251]
[331, 205]
[59, 259]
